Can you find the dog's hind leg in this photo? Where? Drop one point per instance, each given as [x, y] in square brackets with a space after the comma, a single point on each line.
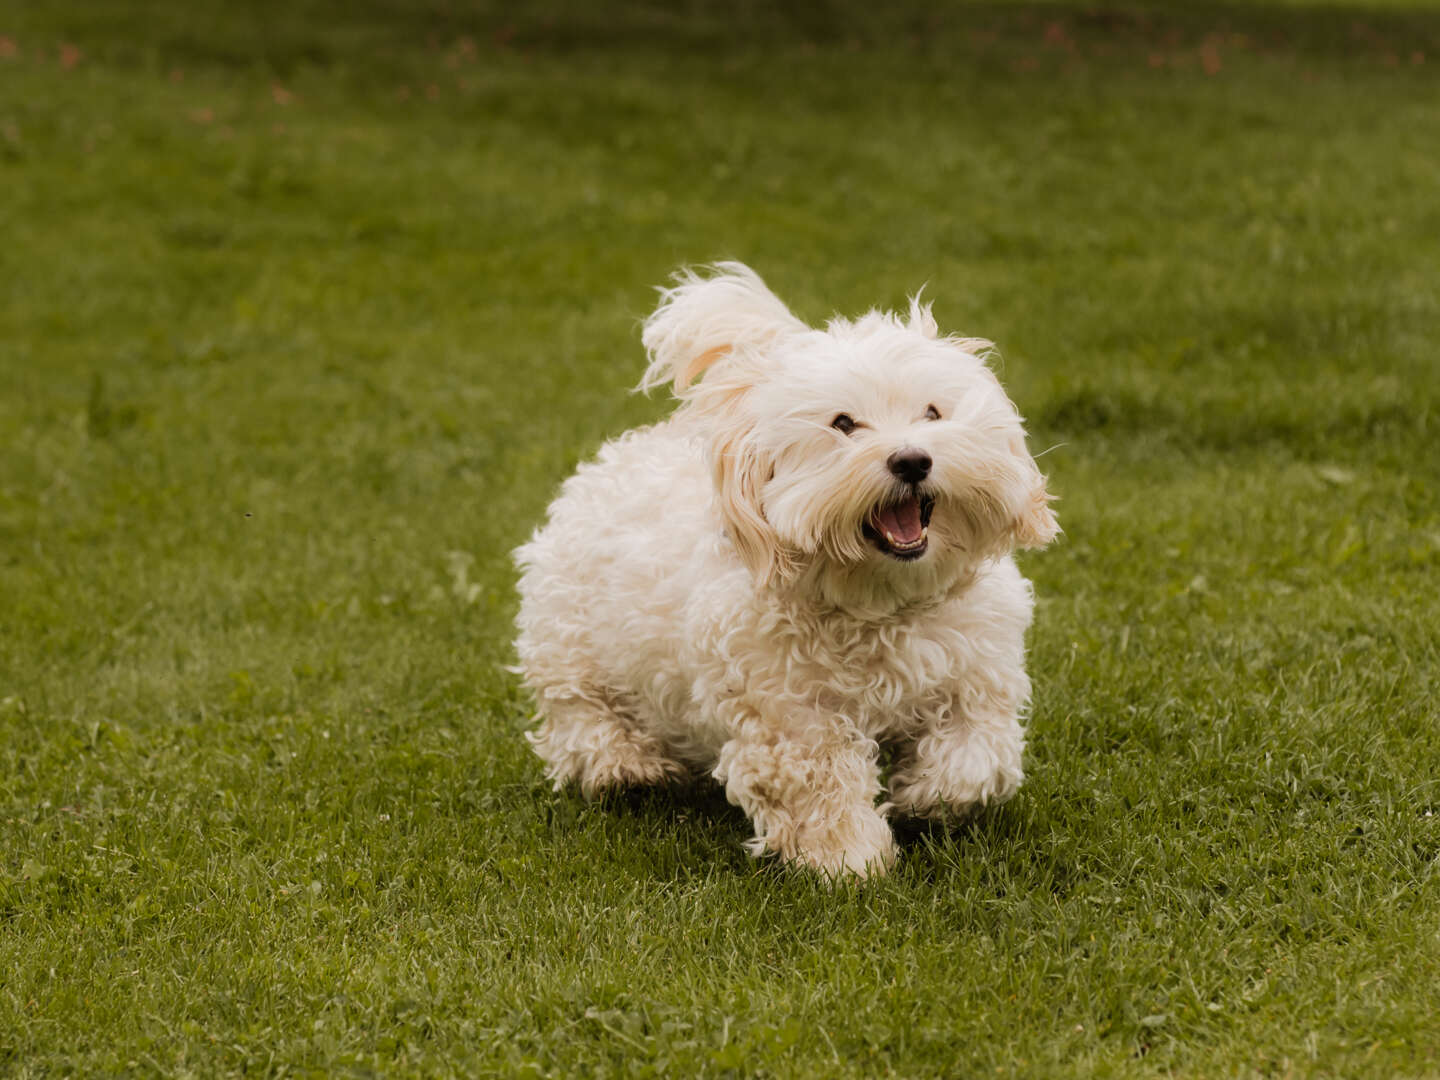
[594, 742]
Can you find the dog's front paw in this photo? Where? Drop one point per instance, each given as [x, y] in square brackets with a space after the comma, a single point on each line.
[956, 785]
[870, 853]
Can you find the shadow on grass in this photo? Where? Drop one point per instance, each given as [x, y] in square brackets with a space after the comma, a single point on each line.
[674, 803]
[690, 829]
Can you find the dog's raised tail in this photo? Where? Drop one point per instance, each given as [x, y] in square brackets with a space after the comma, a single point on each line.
[707, 315]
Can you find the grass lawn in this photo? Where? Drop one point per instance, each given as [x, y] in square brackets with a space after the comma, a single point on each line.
[305, 310]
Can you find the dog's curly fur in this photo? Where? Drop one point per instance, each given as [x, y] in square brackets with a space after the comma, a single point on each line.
[810, 559]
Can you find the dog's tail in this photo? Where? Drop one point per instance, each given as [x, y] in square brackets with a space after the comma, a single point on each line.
[708, 315]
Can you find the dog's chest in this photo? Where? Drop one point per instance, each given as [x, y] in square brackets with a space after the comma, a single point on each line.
[883, 677]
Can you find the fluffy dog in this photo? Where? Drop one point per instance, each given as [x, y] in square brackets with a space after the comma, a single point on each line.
[809, 560]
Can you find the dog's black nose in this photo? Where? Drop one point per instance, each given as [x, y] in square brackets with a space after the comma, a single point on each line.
[909, 464]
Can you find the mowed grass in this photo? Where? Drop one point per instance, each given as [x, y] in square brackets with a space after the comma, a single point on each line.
[307, 308]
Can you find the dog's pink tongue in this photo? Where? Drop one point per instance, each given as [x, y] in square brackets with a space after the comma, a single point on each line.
[902, 521]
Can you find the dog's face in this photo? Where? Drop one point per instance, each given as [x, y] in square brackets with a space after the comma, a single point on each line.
[874, 460]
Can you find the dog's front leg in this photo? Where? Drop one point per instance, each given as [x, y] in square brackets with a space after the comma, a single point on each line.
[959, 764]
[809, 784]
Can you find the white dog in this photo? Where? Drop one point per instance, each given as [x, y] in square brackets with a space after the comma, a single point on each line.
[810, 559]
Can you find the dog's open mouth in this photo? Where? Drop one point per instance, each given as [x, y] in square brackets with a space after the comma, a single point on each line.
[901, 529]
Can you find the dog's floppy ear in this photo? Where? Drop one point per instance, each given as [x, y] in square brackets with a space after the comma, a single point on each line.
[702, 319]
[1035, 524]
[740, 472]
[740, 466]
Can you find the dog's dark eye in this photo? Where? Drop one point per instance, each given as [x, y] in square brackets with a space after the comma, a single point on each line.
[932, 413]
[844, 423]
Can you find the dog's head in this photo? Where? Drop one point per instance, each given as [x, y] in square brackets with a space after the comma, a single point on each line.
[874, 459]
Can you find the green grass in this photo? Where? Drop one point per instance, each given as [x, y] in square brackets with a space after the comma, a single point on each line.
[305, 310]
